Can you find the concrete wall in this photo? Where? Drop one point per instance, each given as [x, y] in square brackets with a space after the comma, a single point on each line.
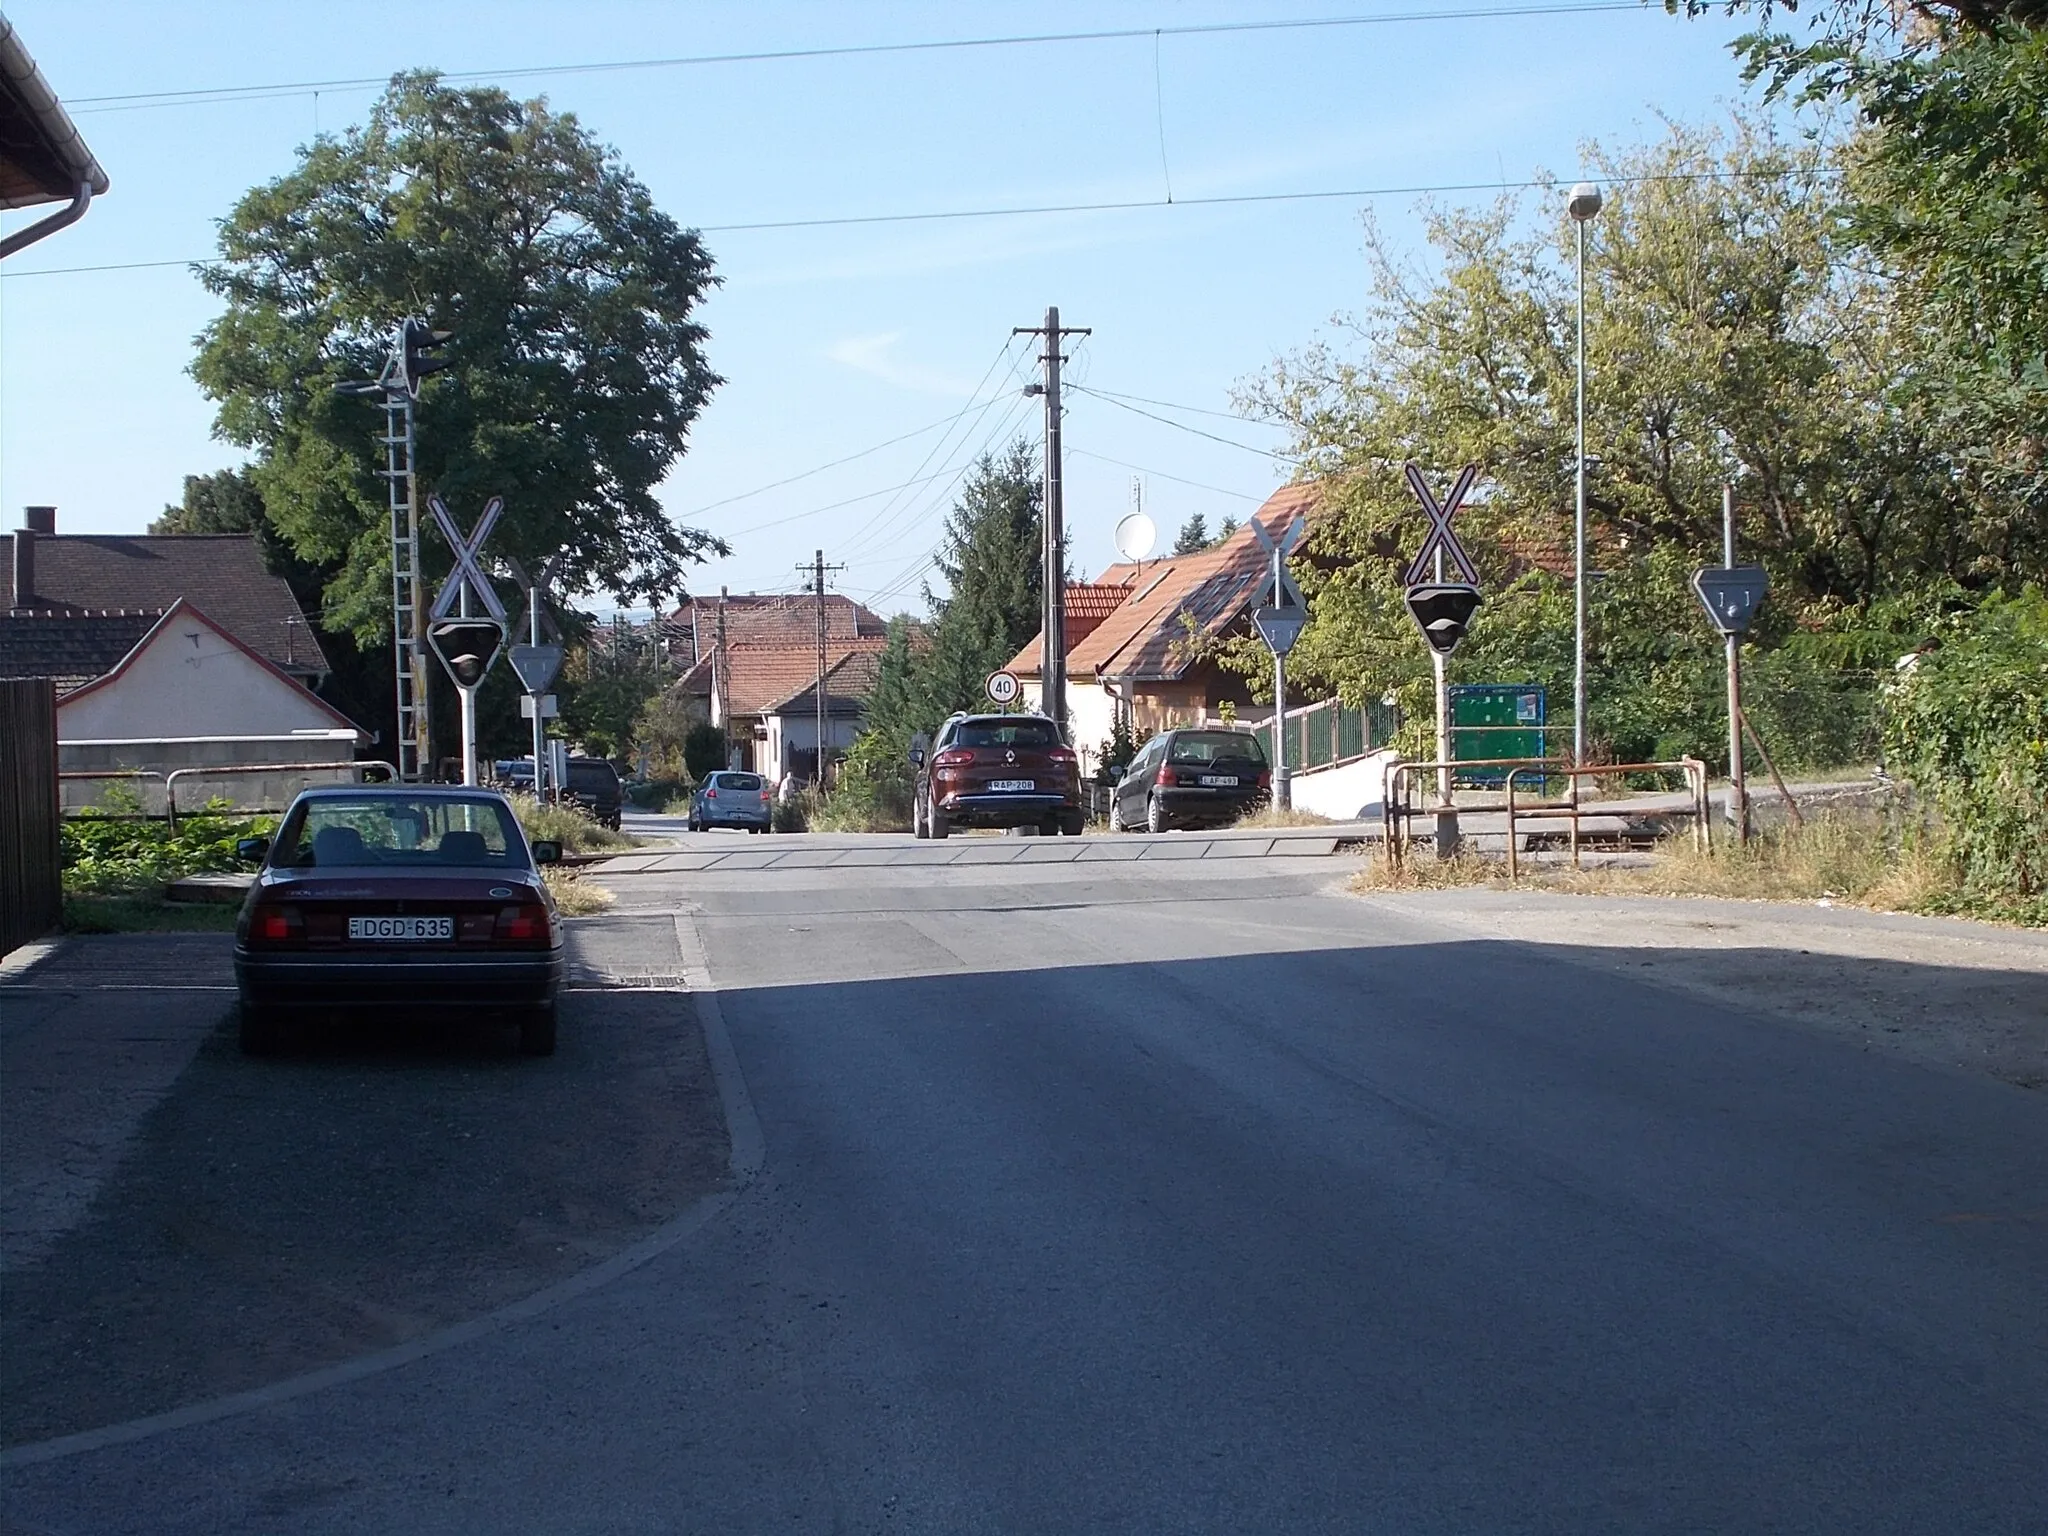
[789, 734]
[1349, 792]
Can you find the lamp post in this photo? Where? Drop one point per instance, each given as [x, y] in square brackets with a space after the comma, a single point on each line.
[1582, 203]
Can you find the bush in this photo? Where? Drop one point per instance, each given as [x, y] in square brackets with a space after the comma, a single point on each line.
[109, 854]
[567, 825]
[866, 805]
[1968, 725]
[793, 815]
[704, 750]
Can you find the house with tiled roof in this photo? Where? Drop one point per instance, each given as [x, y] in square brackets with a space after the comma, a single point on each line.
[763, 696]
[170, 654]
[1152, 657]
[765, 619]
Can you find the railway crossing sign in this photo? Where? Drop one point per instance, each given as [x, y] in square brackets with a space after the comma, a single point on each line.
[1280, 627]
[467, 573]
[1440, 535]
[1280, 586]
[1731, 594]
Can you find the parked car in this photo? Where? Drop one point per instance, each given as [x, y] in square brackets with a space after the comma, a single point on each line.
[594, 786]
[730, 798]
[371, 896]
[997, 771]
[1194, 777]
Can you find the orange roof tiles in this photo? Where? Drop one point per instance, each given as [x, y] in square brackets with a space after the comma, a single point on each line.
[1088, 604]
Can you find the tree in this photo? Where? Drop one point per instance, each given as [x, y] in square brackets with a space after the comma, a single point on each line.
[576, 367]
[991, 560]
[225, 501]
[1730, 337]
[1193, 537]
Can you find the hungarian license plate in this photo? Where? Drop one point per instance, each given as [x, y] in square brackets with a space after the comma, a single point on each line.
[1219, 781]
[401, 928]
[1001, 786]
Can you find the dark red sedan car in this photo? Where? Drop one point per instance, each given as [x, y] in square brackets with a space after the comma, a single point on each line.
[398, 896]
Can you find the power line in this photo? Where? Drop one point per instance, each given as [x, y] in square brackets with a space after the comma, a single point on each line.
[1132, 205]
[776, 485]
[227, 94]
[1089, 453]
[1169, 405]
[1264, 453]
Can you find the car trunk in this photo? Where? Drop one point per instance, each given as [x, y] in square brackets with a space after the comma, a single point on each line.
[343, 911]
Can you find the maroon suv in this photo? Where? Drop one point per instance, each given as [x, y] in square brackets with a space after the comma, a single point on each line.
[998, 771]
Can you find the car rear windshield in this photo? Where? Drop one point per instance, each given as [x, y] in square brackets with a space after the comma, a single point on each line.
[1215, 747]
[592, 773]
[737, 780]
[1021, 732]
[400, 831]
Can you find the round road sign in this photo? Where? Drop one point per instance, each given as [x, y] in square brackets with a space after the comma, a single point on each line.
[1003, 687]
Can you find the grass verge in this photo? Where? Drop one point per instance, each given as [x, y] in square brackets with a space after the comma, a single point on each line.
[1273, 816]
[575, 896]
[146, 914]
[567, 825]
[1855, 859]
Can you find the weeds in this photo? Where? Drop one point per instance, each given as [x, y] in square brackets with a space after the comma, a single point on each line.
[575, 896]
[567, 825]
[1273, 816]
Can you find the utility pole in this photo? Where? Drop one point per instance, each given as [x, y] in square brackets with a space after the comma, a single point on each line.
[720, 680]
[817, 570]
[1052, 660]
[1738, 789]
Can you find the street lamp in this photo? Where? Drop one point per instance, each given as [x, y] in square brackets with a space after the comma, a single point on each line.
[1583, 202]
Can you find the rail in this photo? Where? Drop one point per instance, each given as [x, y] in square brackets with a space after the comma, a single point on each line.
[1396, 812]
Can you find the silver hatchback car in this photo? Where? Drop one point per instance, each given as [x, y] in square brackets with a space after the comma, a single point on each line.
[731, 798]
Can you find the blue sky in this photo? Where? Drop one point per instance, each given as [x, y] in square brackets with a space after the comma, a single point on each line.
[833, 340]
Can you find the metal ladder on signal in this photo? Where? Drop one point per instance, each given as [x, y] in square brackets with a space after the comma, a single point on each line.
[408, 661]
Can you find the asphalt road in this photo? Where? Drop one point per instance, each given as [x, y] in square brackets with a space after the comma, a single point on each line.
[1195, 1197]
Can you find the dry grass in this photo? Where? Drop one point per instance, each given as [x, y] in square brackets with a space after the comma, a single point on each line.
[567, 825]
[1855, 858]
[575, 896]
[1273, 816]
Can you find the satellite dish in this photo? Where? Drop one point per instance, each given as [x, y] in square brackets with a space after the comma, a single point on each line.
[1136, 536]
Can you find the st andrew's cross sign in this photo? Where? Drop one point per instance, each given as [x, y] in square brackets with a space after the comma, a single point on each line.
[1440, 534]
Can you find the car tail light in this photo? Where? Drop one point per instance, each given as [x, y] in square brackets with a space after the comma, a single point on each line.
[956, 757]
[276, 925]
[1064, 756]
[1165, 778]
[764, 794]
[1265, 779]
[711, 794]
[525, 925]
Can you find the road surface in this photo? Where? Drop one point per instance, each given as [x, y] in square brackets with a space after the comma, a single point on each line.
[1204, 1197]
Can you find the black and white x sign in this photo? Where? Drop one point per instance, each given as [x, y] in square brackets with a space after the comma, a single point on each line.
[1440, 535]
[467, 572]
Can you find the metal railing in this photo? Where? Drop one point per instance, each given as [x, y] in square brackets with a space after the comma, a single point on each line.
[1397, 811]
[1329, 734]
[222, 770]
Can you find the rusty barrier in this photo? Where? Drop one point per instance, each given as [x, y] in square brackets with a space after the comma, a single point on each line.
[224, 769]
[1396, 811]
[1695, 773]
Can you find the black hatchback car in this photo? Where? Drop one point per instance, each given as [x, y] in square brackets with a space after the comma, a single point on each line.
[1203, 776]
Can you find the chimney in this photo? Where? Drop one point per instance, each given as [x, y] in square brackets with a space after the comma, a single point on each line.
[35, 520]
[41, 520]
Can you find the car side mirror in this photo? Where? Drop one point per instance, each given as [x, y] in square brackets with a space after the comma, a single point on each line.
[917, 757]
[547, 851]
[252, 850]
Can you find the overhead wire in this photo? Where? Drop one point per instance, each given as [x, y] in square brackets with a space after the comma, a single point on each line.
[1264, 453]
[229, 94]
[776, 485]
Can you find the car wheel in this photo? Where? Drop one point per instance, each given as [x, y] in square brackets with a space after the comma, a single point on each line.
[258, 1031]
[1050, 827]
[935, 820]
[1073, 823]
[917, 826]
[537, 1031]
[1116, 816]
[1155, 814]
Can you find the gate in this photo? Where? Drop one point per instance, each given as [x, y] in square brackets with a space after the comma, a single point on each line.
[31, 881]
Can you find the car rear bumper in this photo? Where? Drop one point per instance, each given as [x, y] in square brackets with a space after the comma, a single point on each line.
[1004, 810]
[1198, 804]
[439, 978]
[723, 818]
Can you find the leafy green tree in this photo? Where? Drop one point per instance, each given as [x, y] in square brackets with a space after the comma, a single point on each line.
[1193, 537]
[576, 368]
[704, 750]
[225, 501]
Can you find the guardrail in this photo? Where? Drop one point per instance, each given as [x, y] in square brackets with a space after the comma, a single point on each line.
[1396, 811]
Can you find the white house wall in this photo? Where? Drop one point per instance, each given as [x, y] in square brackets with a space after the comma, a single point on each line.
[190, 680]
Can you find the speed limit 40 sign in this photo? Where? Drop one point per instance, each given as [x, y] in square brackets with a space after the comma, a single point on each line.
[1003, 687]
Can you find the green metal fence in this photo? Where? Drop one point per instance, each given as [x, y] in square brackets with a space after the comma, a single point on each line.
[1323, 735]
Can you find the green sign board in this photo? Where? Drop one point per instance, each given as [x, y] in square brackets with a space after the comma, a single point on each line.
[1495, 720]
